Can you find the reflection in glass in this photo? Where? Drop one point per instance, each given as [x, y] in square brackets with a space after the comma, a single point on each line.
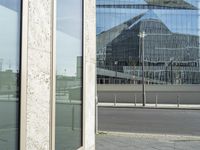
[171, 44]
[69, 75]
[9, 73]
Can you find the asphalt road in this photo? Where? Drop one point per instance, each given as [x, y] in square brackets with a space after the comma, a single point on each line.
[159, 121]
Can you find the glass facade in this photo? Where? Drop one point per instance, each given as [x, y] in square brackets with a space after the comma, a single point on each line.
[10, 20]
[69, 75]
[170, 50]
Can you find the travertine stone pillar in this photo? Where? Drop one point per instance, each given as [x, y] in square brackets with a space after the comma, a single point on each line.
[39, 30]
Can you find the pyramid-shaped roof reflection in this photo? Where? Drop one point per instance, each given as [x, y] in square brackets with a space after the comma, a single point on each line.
[149, 15]
[146, 16]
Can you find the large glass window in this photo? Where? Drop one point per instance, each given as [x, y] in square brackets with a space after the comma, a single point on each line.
[167, 56]
[10, 16]
[69, 75]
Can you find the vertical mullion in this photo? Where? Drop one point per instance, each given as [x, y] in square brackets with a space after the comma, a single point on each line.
[53, 77]
[23, 73]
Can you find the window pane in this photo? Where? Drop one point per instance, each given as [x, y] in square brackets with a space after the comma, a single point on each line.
[9, 73]
[69, 75]
[168, 55]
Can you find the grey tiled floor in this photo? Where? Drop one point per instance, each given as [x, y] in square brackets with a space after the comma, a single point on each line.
[146, 142]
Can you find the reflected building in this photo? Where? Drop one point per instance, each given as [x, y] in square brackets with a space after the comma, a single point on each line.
[171, 44]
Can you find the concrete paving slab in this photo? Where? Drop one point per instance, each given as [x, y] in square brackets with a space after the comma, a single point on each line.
[124, 141]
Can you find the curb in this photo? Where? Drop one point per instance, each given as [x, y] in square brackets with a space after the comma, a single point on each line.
[149, 135]
[150, 107]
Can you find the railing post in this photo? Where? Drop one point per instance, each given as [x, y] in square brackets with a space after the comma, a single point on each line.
[73, 117]
[96, 114]
[178, 101]
[156, 101]
[135, 99]
[115, 100]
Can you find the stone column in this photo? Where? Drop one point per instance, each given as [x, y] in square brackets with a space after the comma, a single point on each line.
[39, 49]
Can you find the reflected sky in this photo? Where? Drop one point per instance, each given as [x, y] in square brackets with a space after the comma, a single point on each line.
[10, 36]
[177, 20]
[69, 35]
[11, 4]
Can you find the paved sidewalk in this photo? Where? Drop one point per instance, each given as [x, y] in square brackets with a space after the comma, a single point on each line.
[125, 141]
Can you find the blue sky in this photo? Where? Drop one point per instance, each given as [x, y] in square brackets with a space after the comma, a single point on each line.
[69, 36]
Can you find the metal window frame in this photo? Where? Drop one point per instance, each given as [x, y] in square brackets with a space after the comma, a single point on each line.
[53, 77]
[23, 74]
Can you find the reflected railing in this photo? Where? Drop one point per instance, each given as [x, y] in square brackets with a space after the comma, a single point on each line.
[173, 96]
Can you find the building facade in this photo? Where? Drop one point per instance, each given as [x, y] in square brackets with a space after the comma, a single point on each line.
[47, 75]
[169, 51]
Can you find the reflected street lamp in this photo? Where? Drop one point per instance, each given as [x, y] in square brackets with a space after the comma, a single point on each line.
[171, 62]
[166, 67]
[116, 62]
[142, 35]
